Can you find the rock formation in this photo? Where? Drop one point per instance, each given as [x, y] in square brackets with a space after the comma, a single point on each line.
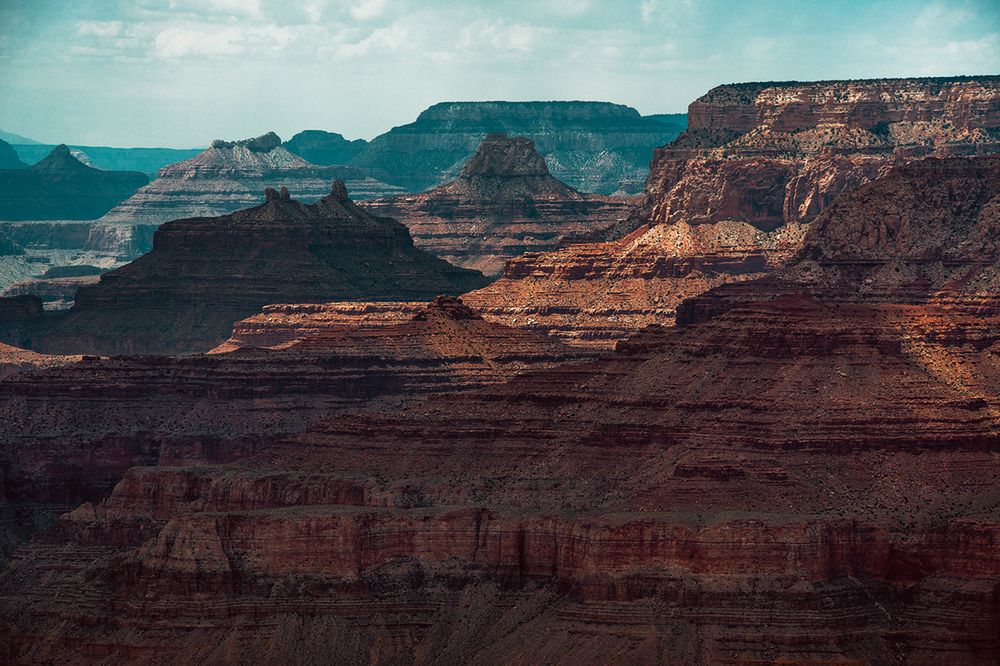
[229, 176]
[504, 203]
[802, 477]
[325, 148]
[205, 273]
[144, 160]
[592, 146]
[757, 162]
[60, 187]
[9, 158]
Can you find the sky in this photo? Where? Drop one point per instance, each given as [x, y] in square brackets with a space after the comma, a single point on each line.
[179, 73]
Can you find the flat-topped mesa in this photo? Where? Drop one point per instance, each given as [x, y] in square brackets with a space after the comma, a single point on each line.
[592, 146]
[61, 187]
[226, 177]
[503, 204]
[205, 273]
[773, 153]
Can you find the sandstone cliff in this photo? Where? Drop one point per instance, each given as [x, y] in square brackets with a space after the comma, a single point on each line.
[504, 203]
[60, 187]
[757, 163]
[592, 146]
[325, 148]
[205, 273]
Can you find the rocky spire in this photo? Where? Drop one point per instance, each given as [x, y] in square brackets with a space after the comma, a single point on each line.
[500, 155]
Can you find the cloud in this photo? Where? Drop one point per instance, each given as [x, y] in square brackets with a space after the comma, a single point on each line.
[646, 9]
[100, 29]
[215, 41]
[938, 17]
[389, 39]
[368, 9]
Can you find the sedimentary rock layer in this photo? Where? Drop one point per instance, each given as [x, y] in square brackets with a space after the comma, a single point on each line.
[505, 203]
[205, 273]
[229, 176]
[592, 146]
[757, 163]
[60, 187]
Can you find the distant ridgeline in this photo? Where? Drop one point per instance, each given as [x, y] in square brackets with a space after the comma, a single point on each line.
[146, 160]
[592, 146]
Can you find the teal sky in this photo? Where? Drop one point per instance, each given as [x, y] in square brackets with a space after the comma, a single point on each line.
[182, 72]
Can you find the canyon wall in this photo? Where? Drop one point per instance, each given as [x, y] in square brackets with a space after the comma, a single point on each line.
[592, 146]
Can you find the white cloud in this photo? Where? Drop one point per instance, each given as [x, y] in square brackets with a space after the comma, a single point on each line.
[99, 29]
[938, 17]
[646, 9]
[368, 9]
[389, 39]
[207, 40]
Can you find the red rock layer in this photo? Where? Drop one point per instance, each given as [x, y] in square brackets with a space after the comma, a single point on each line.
[805, 479]
[594, 294]
[503, 204]
[205, 273]
[757, 163]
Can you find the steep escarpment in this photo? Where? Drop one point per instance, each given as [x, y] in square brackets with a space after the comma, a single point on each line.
[592, 146]
[774, 153]
[504, 203]
[60, 187]
[205, 273]
[805, 477]
[229, 176]
[757, 164]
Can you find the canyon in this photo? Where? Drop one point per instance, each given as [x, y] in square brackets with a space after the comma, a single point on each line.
[503, 204]
[731, 198]
[803, 470]
[205, 273]
[592, 146]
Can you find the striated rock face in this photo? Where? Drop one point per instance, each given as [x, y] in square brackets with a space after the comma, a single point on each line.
[774, 153]
[504, 203]
[756, 165]
[68, 434]
[594, 294]
[808, 476]
[55, 293]
[592, 146]
[326, 148]
[60, 187]
[229, 176]
[9, 158]
[205, 273]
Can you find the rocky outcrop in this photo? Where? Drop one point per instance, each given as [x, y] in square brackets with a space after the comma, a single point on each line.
[594, 294]
[774, 153]
[205, 273]
[229, 176]
[9, 158]
[504, 203]
[55, 293]
[757, 164]
[60, 187]
[592, 146]
[325, 148]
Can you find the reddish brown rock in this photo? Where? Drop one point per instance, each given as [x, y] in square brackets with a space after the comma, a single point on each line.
[503, 204]
[806, 477]
[757, 163]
